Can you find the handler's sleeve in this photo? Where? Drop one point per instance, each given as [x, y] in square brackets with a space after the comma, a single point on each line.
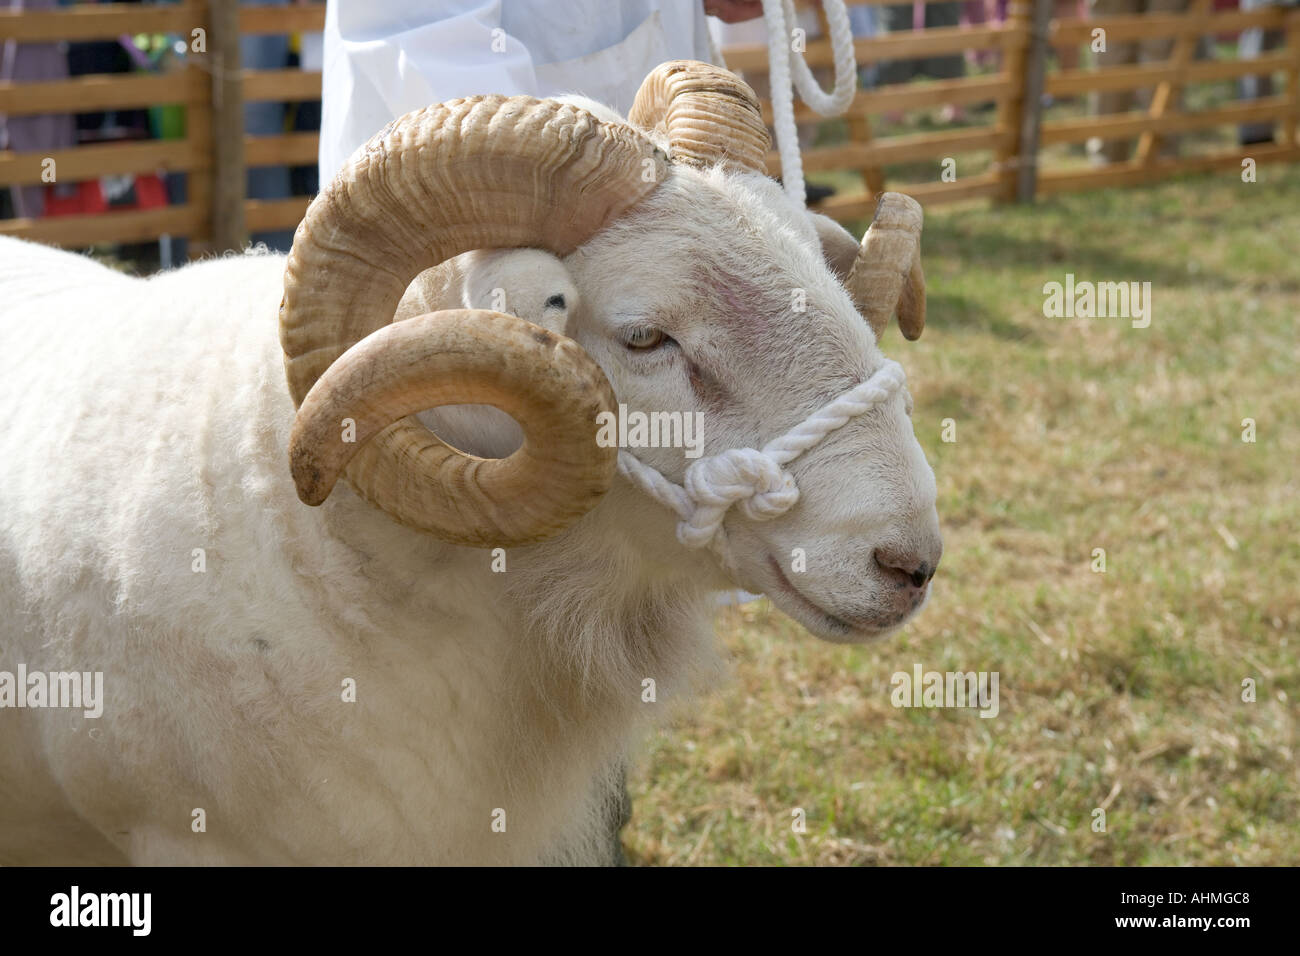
[384, 58]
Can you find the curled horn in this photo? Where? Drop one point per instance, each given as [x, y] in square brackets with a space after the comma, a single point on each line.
[708, 114]
[481, 172]
[886, 276]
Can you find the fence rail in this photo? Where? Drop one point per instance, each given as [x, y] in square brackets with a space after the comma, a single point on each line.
[214, 153]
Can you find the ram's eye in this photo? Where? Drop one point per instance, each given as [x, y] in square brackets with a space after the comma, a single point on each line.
[554, 302]
[644, 337]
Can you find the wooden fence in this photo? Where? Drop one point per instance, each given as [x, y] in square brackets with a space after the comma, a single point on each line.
[1017, 134]
[215, 152]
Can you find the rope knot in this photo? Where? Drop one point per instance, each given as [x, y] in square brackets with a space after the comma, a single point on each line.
[756, 480]
[744, 476]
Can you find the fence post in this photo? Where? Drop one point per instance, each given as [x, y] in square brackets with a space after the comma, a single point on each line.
[1007, 155]
[1292, 26]
[198, 131]
[229, 176]
[1031, 114]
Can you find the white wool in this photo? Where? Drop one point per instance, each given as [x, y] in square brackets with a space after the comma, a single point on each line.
[150, 418]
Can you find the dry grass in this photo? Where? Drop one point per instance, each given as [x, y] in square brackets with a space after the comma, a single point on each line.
[1119, 690]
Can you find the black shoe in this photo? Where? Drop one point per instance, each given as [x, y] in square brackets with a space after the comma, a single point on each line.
[816, 193]
[1255, 134]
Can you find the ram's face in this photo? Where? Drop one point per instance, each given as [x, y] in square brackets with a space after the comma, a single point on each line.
[698, 291]
[713, 297]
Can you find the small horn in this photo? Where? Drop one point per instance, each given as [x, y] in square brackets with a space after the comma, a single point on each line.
[886, 276]
[709, 115]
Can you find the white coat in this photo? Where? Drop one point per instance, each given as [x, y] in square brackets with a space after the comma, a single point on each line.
[384, 58]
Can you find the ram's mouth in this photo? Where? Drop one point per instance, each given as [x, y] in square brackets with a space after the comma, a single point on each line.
[817, 619]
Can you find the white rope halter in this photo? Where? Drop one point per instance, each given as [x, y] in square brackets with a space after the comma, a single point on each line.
[756, 480]
[785, 67]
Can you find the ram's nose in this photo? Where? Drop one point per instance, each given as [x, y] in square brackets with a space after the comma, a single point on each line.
[910, 567]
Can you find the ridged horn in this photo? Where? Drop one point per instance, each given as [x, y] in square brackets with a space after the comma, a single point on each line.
[709, 115]
[475, 173]
[886, 276]
[546, 382]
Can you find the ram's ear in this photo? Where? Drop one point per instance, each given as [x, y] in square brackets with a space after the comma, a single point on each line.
[532, 284]
[839, 248]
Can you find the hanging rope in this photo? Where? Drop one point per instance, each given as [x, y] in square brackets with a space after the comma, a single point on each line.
[787, 70]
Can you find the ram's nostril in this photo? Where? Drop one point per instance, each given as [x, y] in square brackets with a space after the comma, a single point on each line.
[905, 570]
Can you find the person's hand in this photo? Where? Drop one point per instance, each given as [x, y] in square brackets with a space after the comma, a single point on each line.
[734, 11]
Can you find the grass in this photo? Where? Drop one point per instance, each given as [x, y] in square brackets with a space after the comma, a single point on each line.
[1119, 690]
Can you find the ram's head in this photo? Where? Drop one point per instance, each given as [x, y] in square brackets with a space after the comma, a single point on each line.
[695, 285]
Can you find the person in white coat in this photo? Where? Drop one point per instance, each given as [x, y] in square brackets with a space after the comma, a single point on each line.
[384, 58]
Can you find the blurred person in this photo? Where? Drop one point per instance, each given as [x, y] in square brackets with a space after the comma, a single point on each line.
[42, 132]
[865, 22]
[978, 13]
[308, 55]
[1128, 53]
[267, 52]
[901, 17]
[1068, 56]
[1252, 43]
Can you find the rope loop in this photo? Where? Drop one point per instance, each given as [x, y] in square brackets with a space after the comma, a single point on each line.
[788, 70]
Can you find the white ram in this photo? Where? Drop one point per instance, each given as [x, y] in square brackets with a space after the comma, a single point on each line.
[150, 528]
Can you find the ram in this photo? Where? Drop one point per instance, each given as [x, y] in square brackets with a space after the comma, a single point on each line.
[446, 659]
